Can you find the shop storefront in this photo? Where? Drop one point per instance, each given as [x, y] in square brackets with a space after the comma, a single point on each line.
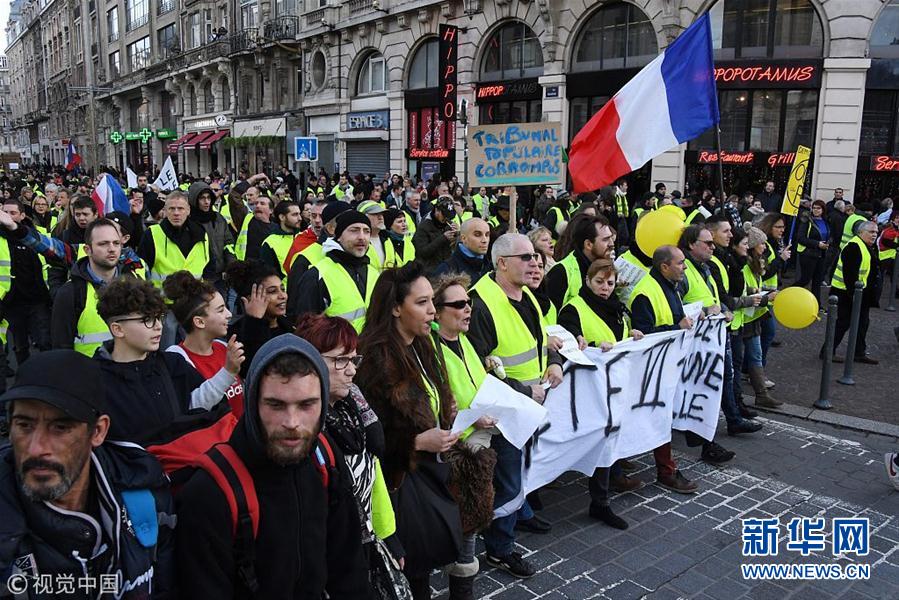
[878, 161]
[367, 136]
[260, 143]
[201, 146]
[508, 90]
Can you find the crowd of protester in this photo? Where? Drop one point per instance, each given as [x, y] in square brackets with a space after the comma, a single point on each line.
[291, 353]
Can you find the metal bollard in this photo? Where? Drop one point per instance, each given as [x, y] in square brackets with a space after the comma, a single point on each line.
[891, 307]
[822, 294]
[847, 379]
[823, 402]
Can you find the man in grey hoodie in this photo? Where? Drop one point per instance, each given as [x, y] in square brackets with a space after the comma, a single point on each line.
[308, 541]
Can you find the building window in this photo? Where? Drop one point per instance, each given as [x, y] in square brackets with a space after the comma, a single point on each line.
[372, 75]
[518, 111]
[115, 66]
[880, 134]
[285, 7]
[424, 70]
[766, 29]
[318, 69]
[208, 98]
[139, 54]
[165, 6]
[167, 39]
[618, 36]
[137, 13]
[112, 24]
[513, 52]
[208, 27]
[249, 13]
[195, 31]
[885, 35]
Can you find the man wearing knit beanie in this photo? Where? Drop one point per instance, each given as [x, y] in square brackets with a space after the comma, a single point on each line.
[325, 288]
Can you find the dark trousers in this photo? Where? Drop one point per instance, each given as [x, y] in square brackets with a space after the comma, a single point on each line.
[811, 270]
[844, 316]
[28, 324]
[598, 484]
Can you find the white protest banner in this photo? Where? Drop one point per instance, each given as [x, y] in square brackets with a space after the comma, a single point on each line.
[628, 404]
[132, 178]
[517, 416]
[168, 178]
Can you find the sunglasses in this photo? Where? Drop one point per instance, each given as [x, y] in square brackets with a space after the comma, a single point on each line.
[526, 257]
[457, 304]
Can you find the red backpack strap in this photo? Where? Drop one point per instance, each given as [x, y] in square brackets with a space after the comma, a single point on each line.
[231, 475]
[324, 459]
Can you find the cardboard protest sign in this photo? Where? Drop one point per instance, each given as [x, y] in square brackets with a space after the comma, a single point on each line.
[515, 154]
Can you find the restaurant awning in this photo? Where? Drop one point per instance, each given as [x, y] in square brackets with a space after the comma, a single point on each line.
[192, 143]
[174, 146]
[208, 142]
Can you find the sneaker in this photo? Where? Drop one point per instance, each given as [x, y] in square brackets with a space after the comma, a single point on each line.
[677, 483]
[716, 454]
[513, 564]
[533, 525]
[744, 426]
[769, 384]
[622, 484]
[889, 461]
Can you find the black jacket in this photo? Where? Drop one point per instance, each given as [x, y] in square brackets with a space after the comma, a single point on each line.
[184, 237]
[431, 246]
[308, 541]
[643, 314]
[252, 333]
[557, 278]
[312, 294]
[35, 538]
[28, 287]
[475, 268]
[852, 262]
[807, 235]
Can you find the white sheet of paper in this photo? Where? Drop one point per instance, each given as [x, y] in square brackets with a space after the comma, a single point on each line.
[517, 416]
[570, 349]
[629, 273]
[704, 211]
[693, 310]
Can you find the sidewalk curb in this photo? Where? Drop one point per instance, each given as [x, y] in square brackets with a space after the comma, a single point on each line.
[831, 418]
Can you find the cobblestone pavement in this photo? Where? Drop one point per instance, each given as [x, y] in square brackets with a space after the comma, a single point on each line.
[874, 394]
[681, 546]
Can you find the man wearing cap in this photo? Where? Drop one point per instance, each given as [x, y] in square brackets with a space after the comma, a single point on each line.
[276, 246]
[499, 223]
[436, 235]
[380, 253]
[340, 285]
[314, 253]
[97, 514]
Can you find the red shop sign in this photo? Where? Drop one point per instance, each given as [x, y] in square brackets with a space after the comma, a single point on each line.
[885, 163]
[781, 159]
[730, 158]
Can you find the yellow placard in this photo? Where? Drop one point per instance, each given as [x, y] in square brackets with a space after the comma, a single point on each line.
[796, 182]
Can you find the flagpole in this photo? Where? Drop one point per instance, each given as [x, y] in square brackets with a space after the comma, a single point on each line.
[720, 164]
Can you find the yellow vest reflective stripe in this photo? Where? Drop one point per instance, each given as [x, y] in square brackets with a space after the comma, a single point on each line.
[649, 287]
[593, 328]
[851, 220]
[863, 270]
[345, 299]
[698, 290]
[493, 222]
[725, 278]
[170, 260]
[280, 244]
[4, 328]
[769, 258]
[5, 268]
[573, 273]
[92, 330]
[465, 376]
[692, 216]
[516, 346]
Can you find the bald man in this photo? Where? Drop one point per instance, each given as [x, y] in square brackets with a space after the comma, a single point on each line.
[468, 257]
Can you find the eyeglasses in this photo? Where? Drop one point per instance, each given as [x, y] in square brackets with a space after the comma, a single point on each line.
[342, 362]
[526, 257]
[457, 304]
[708, 243]
[149, 321]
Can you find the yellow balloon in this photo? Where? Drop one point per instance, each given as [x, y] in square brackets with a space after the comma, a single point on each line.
[658, 228]
[795, 308]
[676, 210]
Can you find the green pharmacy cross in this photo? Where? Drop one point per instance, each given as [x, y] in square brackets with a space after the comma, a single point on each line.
[144, 135]
[115, 137]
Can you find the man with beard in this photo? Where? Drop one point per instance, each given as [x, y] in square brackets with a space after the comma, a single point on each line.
[83, 211]
[307, 543]
[592, 239]
[275, 247]
[73, 506]
[340, 285]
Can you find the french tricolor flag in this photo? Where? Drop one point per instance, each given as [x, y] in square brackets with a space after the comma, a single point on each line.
[671, 100]
[109, 196]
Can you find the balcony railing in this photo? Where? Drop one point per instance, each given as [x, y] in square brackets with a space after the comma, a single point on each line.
[281, 28]
[245, 40]
[137, 22]
[358, 6]
[165, 6]
[314, 18]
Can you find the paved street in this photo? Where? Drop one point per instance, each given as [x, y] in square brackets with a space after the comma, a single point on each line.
[690, 546]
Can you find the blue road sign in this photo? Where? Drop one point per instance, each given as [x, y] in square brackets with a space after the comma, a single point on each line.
[305, 148]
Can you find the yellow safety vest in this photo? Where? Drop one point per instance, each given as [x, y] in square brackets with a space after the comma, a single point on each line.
[240, 244]
[593, 328]
[346, 302]
[551, 316]
[863, 270]
[649, 287]
[692, 216]
[465, 374]
[280, 244]
[621, 205]
[314, 253]
[769, 258]
[742, 316]
[92, 330]
[629, 257]
[573, 272]
[698, 290]
[410, 224]
[5, 268]
[516, 346]
[170, 260]
[561, 215]
[4, 328]
[887, 254]
[851, 220]
[391, 260]
[725, 278]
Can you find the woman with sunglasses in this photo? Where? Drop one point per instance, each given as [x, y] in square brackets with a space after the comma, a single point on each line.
[475, 461]
[597, 318]
[407, 387]
[354, 427]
